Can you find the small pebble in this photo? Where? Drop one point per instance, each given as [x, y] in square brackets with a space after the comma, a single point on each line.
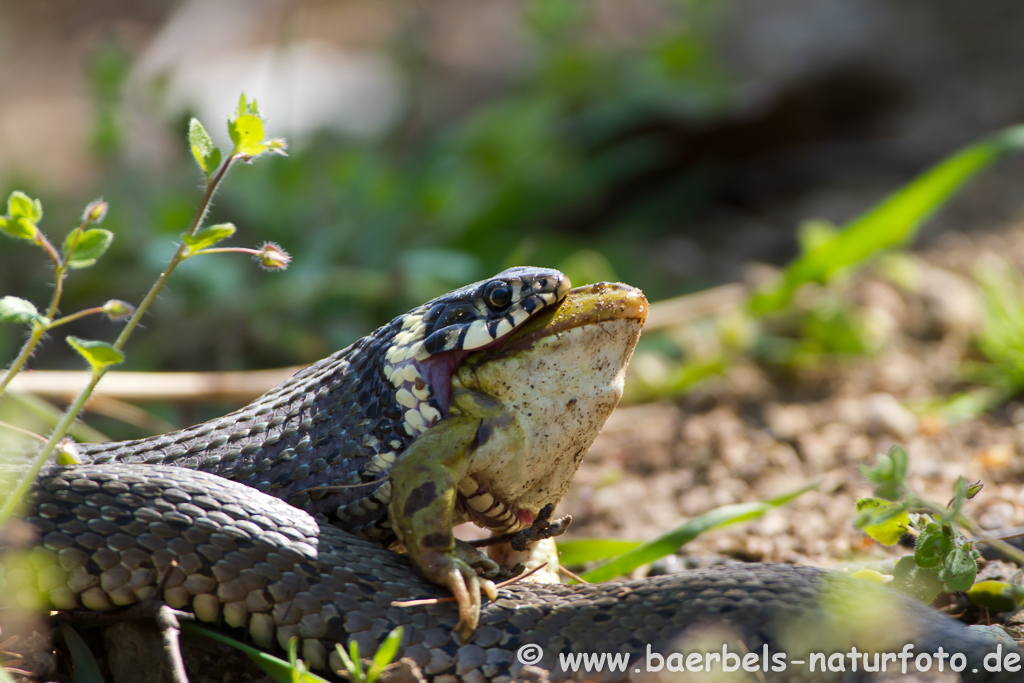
[886, 415]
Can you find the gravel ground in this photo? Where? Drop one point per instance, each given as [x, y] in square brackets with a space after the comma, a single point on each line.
[756, 434]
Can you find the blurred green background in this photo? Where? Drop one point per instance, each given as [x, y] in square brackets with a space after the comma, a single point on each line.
[665, 143]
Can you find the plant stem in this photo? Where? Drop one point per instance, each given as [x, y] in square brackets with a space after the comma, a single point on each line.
[26, 351]
[60, 271]
[10, 505]
[75, 316]
[15, 498]
[48, 248]
[230, 250]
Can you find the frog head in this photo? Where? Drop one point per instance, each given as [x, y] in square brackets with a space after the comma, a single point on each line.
[542, 398]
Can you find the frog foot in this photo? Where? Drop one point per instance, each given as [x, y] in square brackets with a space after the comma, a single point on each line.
[484, 566]
[459, 577]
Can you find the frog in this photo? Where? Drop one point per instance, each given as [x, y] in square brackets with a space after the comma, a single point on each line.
[521, 418]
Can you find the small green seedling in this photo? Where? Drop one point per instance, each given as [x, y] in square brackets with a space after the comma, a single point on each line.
[384, 656]
[944, 557]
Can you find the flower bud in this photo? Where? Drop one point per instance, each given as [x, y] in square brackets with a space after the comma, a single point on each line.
[115, 309]
[273, 257]
[67, 453]
[96, 211]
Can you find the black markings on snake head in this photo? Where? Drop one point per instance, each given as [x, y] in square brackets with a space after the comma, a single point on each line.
[420, 497]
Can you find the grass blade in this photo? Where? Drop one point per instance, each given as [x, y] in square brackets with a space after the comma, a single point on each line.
[684, 533]
[578, 551]
[83, 663]
[892, 223]
[278, 669]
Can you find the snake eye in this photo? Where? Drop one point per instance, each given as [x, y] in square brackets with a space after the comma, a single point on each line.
[497, 295]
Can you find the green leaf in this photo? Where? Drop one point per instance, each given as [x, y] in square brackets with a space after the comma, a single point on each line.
[209, 236]
[353, 652]
[244, 108]
[98, 354]
[23, 213]
[921, 582]
[20, 205]
[207, 155]
[972, 489]
[882, 520]
[17, 310]
[385, 654]
[83, 663]
[933, 545]
[891, 223]
[276, 668]
[352, 667]
[91, 245]
[247, 133]
[684, 533]
[959, 568]
[870, 575]
[19, 228]
[580, 551]
[997, 596]
[888, 477]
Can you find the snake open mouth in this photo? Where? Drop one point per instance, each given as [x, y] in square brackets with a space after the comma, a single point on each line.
[437, 371]
[481, 507]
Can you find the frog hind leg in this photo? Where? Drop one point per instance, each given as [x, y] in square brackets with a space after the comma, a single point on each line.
[425, 482]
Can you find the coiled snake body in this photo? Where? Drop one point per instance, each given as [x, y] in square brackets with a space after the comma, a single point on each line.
[422, 433]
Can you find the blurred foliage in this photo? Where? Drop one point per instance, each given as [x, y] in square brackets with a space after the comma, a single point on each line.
[377, 227]
[803, 318]
[893, 222]
[994, 370]
[1001, 338]
[555, 169]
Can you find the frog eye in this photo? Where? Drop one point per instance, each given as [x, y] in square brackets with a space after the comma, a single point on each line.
[497, 295]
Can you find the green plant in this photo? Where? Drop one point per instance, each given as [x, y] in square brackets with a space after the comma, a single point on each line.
[628, 555]
[384, 655]
[997, 369]
[1001, 336]
[456, 191]
[293, 670]
[944, 556]
[777, 327]
[892, 223]
[84, 246]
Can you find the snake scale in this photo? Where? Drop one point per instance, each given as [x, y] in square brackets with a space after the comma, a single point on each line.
[272, 522]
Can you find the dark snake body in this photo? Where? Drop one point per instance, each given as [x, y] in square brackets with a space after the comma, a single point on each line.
[230, 549]
[325, 439]
[109, 534]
